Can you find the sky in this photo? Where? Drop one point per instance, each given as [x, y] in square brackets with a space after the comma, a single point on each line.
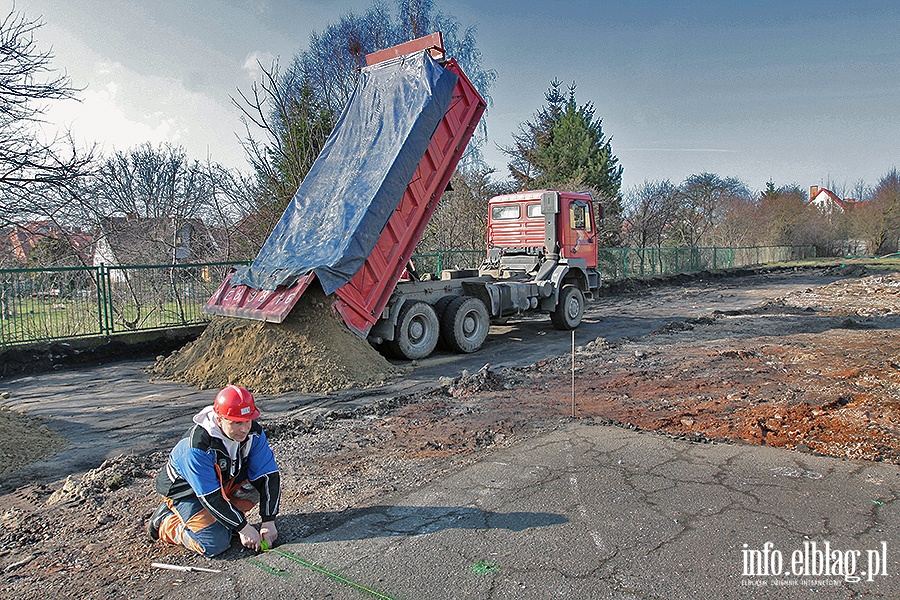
[792, 92]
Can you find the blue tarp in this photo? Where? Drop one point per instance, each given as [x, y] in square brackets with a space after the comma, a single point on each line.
[337, 215]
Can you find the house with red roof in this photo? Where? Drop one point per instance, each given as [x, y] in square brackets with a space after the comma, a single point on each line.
[20, 240]
[828, 202]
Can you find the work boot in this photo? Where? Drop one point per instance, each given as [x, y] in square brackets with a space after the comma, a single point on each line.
[156, 520]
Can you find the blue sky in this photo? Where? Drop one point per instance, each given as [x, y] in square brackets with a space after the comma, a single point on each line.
[795, 92]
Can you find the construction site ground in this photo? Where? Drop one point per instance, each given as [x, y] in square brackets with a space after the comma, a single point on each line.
[712, 414]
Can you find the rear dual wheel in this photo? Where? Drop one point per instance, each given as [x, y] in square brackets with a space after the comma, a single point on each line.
[465, 324]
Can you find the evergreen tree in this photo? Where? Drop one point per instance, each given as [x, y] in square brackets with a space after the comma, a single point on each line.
[564, 147]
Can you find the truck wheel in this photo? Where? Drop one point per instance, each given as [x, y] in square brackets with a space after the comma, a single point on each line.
[441, 305]
[569, 309]
[465, 324]
[417, 331]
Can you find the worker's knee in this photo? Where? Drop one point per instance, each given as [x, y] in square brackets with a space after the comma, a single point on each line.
[213, 540]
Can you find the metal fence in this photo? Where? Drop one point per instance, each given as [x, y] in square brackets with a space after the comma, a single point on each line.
[69, 302]
[436, 262]
[622, 263]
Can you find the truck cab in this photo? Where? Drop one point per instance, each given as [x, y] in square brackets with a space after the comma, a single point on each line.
[527, 229]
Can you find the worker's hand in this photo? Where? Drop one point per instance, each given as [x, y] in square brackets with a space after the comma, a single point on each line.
[250, 537]
[268, 532]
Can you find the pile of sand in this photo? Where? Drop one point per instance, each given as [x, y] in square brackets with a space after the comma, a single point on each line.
[311, 351]
[24, 440]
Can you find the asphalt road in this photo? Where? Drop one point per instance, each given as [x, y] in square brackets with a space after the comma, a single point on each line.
[592, 511]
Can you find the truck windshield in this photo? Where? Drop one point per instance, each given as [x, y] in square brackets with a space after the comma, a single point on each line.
[534, 210]
[505, 212]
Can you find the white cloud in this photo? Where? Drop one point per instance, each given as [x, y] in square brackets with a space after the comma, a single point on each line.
[254, 60]
[120, 109]
[101, 117]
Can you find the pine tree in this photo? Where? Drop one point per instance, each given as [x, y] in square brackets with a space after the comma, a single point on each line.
[564, 147]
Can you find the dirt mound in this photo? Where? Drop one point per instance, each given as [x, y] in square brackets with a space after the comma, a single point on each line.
[111, 475]
[311, 351]
[864, 296]
[24, 440]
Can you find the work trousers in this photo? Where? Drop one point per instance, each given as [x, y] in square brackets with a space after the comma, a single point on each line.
[194, 527]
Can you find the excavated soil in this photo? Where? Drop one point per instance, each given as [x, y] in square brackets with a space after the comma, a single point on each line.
[311, 351]
[817, 371]
[24, 440]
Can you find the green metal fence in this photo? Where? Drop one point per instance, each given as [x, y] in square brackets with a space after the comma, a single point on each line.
[621, 263]
[69, 302]
[436, 262]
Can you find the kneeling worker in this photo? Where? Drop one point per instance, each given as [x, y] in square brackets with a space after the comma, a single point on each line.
[213, 477]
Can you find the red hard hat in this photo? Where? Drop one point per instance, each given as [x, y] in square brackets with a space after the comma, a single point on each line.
[235, 404]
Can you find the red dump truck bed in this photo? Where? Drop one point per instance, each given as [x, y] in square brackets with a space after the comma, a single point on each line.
[360, 302]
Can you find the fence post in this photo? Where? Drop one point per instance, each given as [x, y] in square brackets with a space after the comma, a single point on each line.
[103, 299]
[109, 318]
[99, 280]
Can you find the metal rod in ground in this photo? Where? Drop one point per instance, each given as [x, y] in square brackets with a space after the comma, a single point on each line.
[183, 568]
[573, 373]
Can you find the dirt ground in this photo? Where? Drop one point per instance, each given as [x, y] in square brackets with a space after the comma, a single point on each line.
[817, 371]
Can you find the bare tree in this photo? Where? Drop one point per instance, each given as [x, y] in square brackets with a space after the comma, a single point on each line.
[704, 199]
[156, 206]
[242, 217]
[651, 209]
[878, 220]
[294, 125]
[784, 217]
[460, 220]
[30, 165]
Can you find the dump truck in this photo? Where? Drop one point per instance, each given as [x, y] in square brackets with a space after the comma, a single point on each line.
[356, 219]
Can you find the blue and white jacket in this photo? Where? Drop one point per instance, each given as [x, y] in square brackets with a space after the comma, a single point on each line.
[192, 470]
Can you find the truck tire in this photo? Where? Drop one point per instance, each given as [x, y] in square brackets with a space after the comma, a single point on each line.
[569, 309]
[441, 305]
[465, 324]
[417, 331]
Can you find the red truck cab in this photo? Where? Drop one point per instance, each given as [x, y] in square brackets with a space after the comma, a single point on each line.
[544, 223]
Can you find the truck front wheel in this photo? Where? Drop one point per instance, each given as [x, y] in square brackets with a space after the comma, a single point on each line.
[465, 324]
[569, 309]
[417, 331]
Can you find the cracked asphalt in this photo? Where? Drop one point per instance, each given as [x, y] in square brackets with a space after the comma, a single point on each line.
[594, 511]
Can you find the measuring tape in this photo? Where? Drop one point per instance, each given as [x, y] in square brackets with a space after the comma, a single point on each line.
[322, 570]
